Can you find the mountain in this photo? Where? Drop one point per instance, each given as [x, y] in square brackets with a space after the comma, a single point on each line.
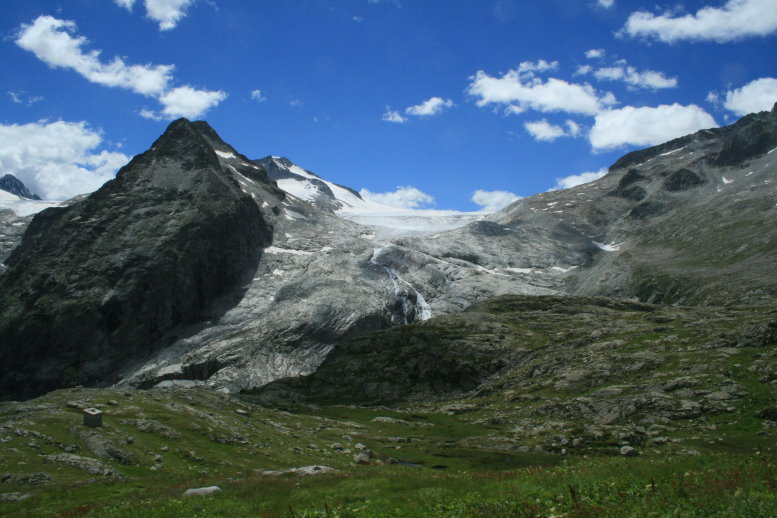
[199, 267]
[103, 282]
[10, 183]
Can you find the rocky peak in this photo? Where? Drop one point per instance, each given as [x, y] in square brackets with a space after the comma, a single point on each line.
[10, 183]
[163, 245]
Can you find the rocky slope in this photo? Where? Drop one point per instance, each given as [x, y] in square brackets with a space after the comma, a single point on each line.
[689, 221]
[571, 373]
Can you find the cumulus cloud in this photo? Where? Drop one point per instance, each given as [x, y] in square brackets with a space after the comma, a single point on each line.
[393, 116]
[649, 79]
[186, 101]
[54, 42]
[737, 19]
[165, 12]
[647, 126]
[574, 180]
[544, 131]
[431, 106]
[606, 3]
[520, 89]
[595, 53]
[756, 96]
[492, 201]
[405, 197]
[258, 96]
[57, 160]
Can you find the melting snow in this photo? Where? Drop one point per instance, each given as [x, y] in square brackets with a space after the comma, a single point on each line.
[224, 154]
[565, 270]
[612, 247]
[277, 272]
[276, 250]
[673, 151]
[748, 174]
[520, 270]
[772, 151]
[726, 180]
[326, 249]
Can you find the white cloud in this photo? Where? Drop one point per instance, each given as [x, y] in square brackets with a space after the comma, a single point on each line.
[429, 107]
[167, 12]
[57, 160]
[358, 19]
[186, 101]
[51, 40]
[519, 91]
[606, 3]
[573, 128]
[393, 116]
[578, 179]
[492, 201]
[544, 131]
[755, 96]
[735, 20]
[23, 98]
[405, 197]
[127, 4]
[647, 126]
[54, 42]
[258, 96]
[537, 66]
[649, 79]
[595, 53]
[295, 102]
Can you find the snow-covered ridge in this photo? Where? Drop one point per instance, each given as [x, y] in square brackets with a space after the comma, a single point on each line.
[386, 220]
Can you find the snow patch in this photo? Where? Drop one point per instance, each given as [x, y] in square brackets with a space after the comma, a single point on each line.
[564, 270]
[277, 250]
[673, 151]
[224, 154]
[726, 180]
[612, 247]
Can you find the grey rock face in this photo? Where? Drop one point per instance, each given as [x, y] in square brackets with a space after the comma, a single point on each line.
[10, 183]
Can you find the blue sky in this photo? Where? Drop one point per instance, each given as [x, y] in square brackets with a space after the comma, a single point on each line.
[449, 99]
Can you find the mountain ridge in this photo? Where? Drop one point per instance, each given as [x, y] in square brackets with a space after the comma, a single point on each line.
[306, 278]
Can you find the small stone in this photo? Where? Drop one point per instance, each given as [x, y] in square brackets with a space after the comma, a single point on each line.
[130, 439]
[359, 446]
[361, 458]
[165, 448]
[201, 491]
[240, 411]
[158, 458]
[336, 446]
[628, 451]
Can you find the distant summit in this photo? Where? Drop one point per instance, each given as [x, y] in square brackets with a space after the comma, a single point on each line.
[10, 183]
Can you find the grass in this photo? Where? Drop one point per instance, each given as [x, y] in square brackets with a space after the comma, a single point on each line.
[715, 485]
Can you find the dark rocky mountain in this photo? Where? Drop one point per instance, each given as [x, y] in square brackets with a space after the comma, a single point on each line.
[192, 267]
[103, 282]
[10, 183]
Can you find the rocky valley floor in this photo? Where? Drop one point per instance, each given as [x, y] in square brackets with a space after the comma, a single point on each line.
[520, 406]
